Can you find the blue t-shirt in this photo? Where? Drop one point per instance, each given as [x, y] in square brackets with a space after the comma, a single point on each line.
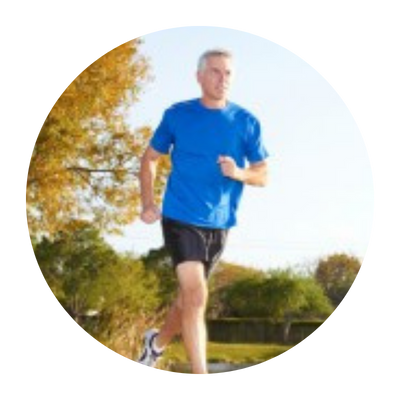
[197, 193]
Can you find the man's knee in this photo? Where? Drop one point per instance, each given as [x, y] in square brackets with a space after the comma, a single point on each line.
[194, 299]
[193, 292]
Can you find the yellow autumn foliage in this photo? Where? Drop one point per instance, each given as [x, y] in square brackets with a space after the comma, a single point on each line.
[85, 162]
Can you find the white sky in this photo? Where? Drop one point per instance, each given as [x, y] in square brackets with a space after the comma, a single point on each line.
[319, 199]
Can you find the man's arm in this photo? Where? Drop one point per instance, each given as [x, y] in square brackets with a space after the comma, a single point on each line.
[255, 174]
[147, 174]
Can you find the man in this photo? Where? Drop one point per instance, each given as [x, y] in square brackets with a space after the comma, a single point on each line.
[209, 139]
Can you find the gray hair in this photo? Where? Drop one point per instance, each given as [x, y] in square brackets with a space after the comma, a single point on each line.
[212, 53]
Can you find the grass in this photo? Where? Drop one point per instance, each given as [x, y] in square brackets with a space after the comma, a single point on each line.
[233, 353]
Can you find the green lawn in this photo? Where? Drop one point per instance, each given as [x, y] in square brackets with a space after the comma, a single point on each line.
[236, 353]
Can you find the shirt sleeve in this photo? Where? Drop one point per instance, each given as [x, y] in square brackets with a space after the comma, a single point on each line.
[255, 150]
[162, 139]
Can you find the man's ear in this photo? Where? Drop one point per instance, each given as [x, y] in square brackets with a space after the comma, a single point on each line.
[198, 77]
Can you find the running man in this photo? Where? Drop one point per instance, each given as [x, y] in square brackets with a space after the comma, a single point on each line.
[209, 140]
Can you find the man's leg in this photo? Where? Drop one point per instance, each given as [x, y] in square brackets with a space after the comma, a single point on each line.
[193, 301]
[172, 324]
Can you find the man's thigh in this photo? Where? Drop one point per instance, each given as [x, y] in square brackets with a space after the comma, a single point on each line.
[192, 285]
[187, 243]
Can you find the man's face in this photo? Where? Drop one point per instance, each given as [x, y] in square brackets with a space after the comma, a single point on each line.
[215, 78]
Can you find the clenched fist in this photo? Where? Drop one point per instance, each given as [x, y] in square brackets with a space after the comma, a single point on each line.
[150, 214]
[229, 168]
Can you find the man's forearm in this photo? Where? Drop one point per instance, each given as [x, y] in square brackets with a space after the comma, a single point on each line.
[255, 176]
[148, 170]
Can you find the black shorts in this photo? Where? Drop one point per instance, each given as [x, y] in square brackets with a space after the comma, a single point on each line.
[187, 242]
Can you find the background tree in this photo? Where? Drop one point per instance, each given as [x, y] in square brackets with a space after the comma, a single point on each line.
[280, 295]
[85, 161]
[109, 295]
[126, 299]
[158, 261]
[222, 277]
[70, 264]
[336, 274]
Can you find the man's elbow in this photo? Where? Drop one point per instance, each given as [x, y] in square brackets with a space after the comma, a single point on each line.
[150, 157]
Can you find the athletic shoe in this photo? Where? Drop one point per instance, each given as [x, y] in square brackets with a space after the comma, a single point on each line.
[149, 356]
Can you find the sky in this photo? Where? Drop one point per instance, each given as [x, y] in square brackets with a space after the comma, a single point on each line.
[319, 198]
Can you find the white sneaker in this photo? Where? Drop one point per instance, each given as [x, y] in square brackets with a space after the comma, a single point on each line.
[149, 356]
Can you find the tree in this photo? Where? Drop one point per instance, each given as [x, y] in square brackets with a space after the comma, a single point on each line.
[109, 295]
[70, 263]
[336, 274]
[85, 161]
[158, 261]
[125, 297]
[224, 276]
[280, 295]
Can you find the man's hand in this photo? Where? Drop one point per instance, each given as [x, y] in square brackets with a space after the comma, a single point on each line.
[229, 168]
[150, 214]
[255, 175]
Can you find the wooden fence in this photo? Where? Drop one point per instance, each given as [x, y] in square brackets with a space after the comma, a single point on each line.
[256, 330]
